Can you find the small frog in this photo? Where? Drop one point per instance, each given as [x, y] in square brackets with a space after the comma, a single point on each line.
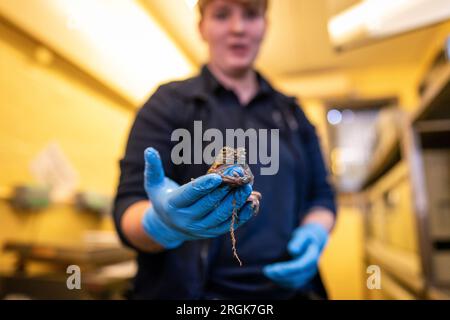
[229, 157]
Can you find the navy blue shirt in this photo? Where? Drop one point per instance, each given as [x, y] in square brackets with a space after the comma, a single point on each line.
[207, 268]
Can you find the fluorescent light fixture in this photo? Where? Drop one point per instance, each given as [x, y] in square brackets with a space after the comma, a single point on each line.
[377, 19]
[191, 3]
[115, 41]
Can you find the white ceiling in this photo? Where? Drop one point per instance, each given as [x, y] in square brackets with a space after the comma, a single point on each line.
[297, 43]
[119, 52]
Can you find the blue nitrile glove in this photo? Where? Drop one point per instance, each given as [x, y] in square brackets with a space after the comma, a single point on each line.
[196, 210]
[305, 247]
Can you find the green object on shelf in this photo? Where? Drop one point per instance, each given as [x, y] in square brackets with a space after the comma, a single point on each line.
[30, 197]
[93, 202]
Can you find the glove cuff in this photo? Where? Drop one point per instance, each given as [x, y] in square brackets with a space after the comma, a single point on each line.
[319, 232]
[160, 231]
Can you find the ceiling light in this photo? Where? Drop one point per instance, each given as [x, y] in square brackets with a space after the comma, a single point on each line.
[334, 116]
[377, 19]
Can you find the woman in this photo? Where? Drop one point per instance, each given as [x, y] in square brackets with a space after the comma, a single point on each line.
[180, 227]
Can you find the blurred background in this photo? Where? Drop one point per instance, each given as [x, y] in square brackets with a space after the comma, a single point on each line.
[372, 76]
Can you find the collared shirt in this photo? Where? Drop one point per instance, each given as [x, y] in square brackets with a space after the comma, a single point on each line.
[207, 268]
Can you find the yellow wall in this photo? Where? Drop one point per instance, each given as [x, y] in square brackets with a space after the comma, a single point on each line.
[42, 103]
[341, 265]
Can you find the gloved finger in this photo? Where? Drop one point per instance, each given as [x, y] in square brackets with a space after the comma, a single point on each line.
[190, 192]
[244, 215]
[298, 281]
[303, 278]
[233, 171]
[212, 200]
[207, 203]
[298, 243]
[154, 171]
[293, 269]
[285, 271]
[233, 201]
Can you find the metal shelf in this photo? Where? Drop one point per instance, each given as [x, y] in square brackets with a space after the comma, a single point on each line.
[434, 134]
[384, 159]
[435, 104]
[401, 265]
[436, 293]
[89, 257]
[427, 128]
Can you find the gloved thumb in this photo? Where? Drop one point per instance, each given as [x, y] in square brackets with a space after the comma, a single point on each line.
[233, 171]
[154, 171]
[305, 235]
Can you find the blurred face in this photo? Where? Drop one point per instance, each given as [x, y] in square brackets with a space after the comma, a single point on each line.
[234, 34]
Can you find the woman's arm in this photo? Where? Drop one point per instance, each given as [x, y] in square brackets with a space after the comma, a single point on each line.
[152, 126]
[323, 216]
[133, 230]
[321, 195]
